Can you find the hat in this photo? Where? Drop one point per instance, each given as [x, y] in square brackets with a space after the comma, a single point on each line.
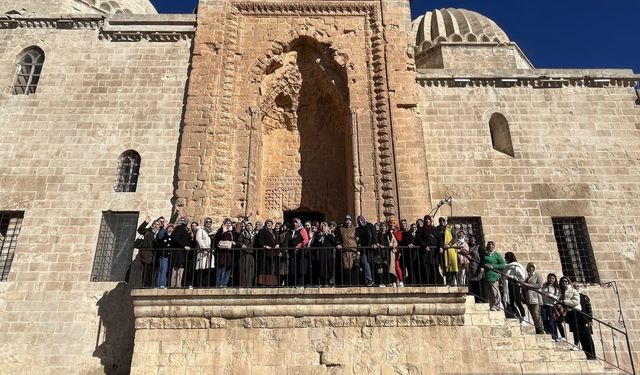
[348, 217]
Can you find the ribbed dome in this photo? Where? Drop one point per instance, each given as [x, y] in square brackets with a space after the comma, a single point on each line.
[456, 25]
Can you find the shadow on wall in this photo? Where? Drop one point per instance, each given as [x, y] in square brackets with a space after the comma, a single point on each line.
[116, 330]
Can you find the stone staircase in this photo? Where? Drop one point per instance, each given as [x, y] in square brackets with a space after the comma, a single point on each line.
[536, 354]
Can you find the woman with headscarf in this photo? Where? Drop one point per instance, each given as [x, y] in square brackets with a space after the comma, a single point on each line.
[225, 240]
[246, 259]
[322, 245]
[267, 243]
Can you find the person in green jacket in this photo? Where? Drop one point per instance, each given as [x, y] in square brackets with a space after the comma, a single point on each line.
[493, 261]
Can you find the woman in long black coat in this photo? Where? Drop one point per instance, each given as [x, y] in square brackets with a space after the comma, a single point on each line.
[266, 243]
[247, 259]
[322, 244]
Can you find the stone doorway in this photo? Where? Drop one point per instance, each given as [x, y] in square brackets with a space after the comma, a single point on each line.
[306, 139]
[303, 215]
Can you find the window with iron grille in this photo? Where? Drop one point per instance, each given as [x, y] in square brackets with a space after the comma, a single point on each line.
[574, 247]
[469, 225]
[128, 172]
[28, 72]
[10, 225]
[115, 246]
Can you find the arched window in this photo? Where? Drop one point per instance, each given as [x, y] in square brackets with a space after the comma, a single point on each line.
[128, 172]
[500, 134]
[28, 72]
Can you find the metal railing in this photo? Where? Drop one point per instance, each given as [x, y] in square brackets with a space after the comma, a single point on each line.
[381, 266]
[614, 345]
[288, 267]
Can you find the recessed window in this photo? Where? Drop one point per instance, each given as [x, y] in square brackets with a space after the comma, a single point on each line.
[10, 225]
[115, 246]
[28, 72]
[500, 134]
[128, 172]
[469, 225]
[574, 247]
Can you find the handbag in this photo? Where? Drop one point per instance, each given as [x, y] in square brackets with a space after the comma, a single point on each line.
[225, 244]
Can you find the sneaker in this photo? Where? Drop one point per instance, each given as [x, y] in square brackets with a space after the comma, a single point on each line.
[370, 283]
[190, 286]
[382, 286]
[524, 323]
[575, 348]
[401, 284]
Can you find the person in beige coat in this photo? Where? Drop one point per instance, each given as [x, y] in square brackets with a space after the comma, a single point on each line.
[534, 284]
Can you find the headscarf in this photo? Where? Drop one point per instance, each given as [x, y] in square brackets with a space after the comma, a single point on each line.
[364, 221]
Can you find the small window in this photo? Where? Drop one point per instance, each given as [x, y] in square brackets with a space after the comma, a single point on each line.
[500, 134]
[28, 72]
[10, 225]
[574, 247]
[115, 246]
[469, 225]
[128, 172]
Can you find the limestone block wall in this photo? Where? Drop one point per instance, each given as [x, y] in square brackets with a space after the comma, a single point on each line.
[248, 42]
[59, 151]
[338, 331]
[575, 155]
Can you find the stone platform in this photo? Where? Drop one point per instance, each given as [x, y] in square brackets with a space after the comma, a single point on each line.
[337, 331]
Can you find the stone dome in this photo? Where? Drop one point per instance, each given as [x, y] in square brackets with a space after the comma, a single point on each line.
[456, 25]
[121, 6]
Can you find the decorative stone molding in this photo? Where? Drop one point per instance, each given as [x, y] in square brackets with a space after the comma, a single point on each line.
[383, 161]
[311, 307]
[117, 29]
[26, 22]
[533, 82]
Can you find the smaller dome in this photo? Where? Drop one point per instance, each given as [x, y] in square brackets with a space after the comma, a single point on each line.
[456, 25]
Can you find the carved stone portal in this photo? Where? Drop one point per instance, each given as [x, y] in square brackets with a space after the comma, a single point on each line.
[305, 140]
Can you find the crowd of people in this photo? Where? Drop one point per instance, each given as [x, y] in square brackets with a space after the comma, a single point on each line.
[392, 253]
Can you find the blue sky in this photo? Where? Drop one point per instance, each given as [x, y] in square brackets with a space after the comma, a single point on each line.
[553, 34]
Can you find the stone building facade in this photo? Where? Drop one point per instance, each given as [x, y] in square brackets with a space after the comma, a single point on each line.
[267, 109]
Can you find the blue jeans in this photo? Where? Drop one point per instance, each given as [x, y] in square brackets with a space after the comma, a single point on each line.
[364, 262]
[163, 269]
[222, 276]
[549, 324]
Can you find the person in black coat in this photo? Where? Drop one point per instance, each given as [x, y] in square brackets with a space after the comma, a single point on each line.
[411, 257]
[181, 242]
[225, 241]
[429, 256]
[267, 243]
[367, 241]
[146, 251]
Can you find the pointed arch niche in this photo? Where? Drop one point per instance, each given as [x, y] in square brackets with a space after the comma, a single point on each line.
[304, 134]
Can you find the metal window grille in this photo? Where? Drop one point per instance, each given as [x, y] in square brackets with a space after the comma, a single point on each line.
[28, 72]
[10, 225]
[469, 225]
[128, 172]
[574, 247]
[115, 246]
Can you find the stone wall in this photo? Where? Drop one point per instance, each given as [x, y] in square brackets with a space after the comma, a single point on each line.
[251, 44]
[338, 331]
[575, 155]
[59, 150]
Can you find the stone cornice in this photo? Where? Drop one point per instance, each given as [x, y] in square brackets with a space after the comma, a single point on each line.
[528, 81]
[271, 308]
[152, 28]
[317, 8]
